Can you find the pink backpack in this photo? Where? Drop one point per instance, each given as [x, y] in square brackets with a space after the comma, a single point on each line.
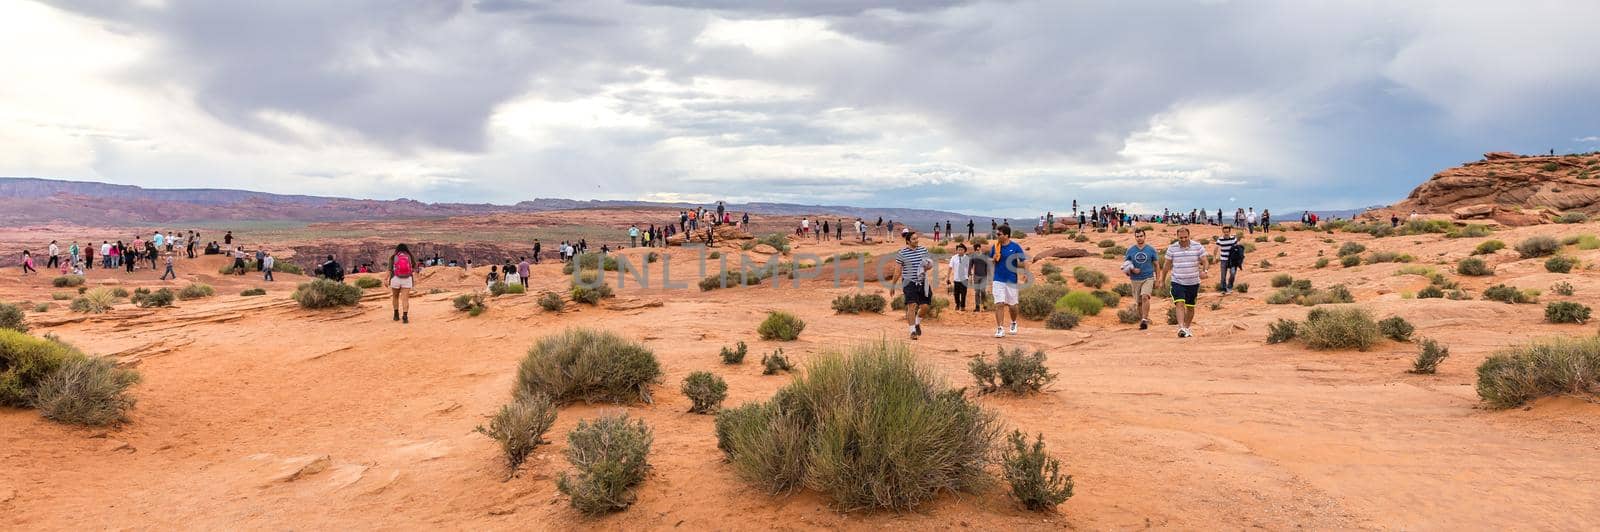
[402, 265]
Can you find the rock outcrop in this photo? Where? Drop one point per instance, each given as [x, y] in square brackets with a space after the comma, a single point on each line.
[1507, 188]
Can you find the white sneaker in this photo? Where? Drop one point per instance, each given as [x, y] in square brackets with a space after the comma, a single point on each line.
[999, 332]
[1013, 327]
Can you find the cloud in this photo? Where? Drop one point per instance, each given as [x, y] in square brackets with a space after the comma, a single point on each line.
[988, 106]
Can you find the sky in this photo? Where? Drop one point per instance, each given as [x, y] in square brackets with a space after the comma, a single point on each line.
[993, 107]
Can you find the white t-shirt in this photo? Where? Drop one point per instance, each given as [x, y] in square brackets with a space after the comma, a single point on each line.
[1250, 217]
[1186, 262]
[105, 249]
[958, 264]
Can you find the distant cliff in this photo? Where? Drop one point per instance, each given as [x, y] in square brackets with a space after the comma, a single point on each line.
[1508, 188]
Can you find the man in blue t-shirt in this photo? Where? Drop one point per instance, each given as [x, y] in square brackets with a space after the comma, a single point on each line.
[1008, 261]
[1140, 265]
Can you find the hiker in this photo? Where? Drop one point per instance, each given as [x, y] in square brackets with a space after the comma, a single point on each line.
[978, 278]
[401, 267]
[633, 236]
[1140, 265]
[54, 260]
[169, 272]
[1250, 220]
[27, 263]
[150, 252]
[913, 279]
[969, 229]
[523, 271]
[1008, 259]
[239, 266]
[1185, 263]
[537, 248]
[88, 256]
[838, 230]
[512, 277]
[227, 239]
[190, 244]
[1266, 221]
[494, 276]
[958, 277]
[267, 262]
[1227, 246]
[331, 270]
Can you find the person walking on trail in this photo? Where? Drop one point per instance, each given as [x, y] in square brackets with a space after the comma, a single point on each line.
[978, 278]
[239, 266]
[1266, 221]
[913, 279]
[1226, 246]
[633, 236]
[267, 263]
[1140, 265]
[969, 229]
[169, 274]
[1185, 263]
[523, 270]
[1008, 259]
[536, 250]
[54, 260]
[402, 266]
[27, 263]
[1250, 220]
[958, 277]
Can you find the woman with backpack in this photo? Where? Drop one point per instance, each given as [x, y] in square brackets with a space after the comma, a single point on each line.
[401, 267]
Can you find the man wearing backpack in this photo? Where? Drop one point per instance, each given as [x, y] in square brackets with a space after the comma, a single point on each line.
[401, 266]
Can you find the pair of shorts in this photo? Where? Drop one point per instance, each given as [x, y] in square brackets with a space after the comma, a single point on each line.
[1143, 287]
[1004, 293]
[402, 283]
[1185, 293]
[917, 293]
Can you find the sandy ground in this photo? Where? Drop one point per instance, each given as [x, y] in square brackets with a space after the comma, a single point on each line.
[255, 414]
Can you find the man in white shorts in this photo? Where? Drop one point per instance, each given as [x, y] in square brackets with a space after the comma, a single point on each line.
[1008, 261]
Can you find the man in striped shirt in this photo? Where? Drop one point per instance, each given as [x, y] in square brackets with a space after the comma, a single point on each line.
[1185, 261]
[1226, 246]
[913, 278]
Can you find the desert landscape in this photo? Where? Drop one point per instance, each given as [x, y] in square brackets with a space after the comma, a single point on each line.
[253, 412]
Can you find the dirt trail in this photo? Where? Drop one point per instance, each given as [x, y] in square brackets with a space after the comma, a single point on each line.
[255, 414]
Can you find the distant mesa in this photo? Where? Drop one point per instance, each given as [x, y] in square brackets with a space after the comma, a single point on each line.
[1507, 188]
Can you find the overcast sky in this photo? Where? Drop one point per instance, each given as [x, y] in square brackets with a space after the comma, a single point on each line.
[1003, 107]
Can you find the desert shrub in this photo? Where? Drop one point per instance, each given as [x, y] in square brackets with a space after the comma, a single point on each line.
[705, 390]
[1036, 301]
[1488, 247]
[1549, 167]
[590, 262]
[1110, 299]
[42, 307]
[119, 292]
[1280, 239]
[552, 302]
[158, 298]
[502, 288]
[1035, 477]
[1507, 294]
[1321, 263]
[588, 365]
[1473, 266]
[1300, 284]
[86, 391]
[1014, 371]
[1281, 331]
[1428, 359]
[1261, 239]
[25, 361]
[1378, 257]
[775, 362]
[778, 241]
[1123, 289]
[473, 304]
[780, 325]
[1128, 315]
[520, 427]
[1584, 242]
[325, 293]
[869, 428]
[1172, 316]
[1282, 280]
[1554, 366]
[734, 356]
[1243, 288]
[591, 290]
[1538, 246]
[1055, 277]
[610, 455]
[368, 283]
[1566, 312]
[714, 255]
[1106, 243]
[1560, 264]
[1573, 218]
[95, 301]
[1351, 248]
[1081, 238]
[1049, 268]
[1018, 234]
[1080, 303]
[253, 292]
[1562, 288]
[1396, 328]
[196, 291]
[12, 318]
[1350, 261]
[61, 296]
[67, 281]
[1470, 231]
[1417, 227]
[858, 303]
[1264, 264]
[1062, 319]
[1339, 328]
[1088, 277]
